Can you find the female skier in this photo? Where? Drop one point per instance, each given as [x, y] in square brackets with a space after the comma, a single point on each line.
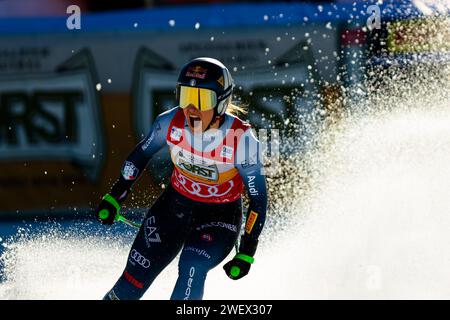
[214, 155]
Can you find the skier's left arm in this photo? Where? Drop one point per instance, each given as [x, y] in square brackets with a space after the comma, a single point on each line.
[250, 166]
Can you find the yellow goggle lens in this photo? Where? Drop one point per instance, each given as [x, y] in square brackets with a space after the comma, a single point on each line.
[202, 99]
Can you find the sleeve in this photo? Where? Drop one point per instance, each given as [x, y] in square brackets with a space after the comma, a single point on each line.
[249, 163]
[139, 157]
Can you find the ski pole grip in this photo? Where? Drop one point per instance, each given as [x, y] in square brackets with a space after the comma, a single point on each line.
[112, 201]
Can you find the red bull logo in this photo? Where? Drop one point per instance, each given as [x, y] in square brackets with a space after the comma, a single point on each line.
[197, 72]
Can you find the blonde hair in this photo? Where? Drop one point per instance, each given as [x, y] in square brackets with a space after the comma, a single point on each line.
[236, 110]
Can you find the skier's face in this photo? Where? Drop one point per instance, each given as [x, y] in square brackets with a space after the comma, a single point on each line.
[197, 120]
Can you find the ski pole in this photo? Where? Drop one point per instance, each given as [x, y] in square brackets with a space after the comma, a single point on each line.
[133, 224]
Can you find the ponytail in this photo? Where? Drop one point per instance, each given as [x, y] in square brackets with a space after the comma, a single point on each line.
[236, 110]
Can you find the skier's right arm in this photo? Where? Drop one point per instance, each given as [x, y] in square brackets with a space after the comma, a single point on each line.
[133, 167]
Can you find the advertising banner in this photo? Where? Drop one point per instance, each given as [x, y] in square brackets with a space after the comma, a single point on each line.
[74, 104]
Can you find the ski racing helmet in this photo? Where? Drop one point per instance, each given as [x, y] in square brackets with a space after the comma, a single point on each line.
[205, 83]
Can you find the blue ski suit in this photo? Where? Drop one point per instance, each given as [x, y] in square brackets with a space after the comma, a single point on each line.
[200, 212]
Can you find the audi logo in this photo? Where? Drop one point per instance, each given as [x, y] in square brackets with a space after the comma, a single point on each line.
[140, 259]
[213, 191]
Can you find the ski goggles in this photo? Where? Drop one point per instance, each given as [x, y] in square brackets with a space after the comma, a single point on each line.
[201, 98]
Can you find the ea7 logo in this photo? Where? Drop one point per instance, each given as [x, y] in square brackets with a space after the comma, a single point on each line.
[151, 236]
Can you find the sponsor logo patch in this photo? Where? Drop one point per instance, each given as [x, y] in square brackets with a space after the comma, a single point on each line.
[129, 171]
[207, 172]
[197, 72]
[227, 152]
[207, 237]
[251, 221]
[135, 256]
[176, 133]
[221, 81]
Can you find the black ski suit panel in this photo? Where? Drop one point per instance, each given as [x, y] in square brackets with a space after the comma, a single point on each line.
[206, 234]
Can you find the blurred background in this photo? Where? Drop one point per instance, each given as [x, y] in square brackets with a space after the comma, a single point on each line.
[75, 101]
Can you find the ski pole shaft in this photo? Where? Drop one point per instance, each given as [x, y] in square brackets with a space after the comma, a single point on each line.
[128, 222]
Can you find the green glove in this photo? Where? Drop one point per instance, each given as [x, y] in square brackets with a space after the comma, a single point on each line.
[107, 210]
[239, 266]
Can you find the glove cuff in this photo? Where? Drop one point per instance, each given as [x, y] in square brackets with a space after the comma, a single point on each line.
[245, 258]
[248, 246]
